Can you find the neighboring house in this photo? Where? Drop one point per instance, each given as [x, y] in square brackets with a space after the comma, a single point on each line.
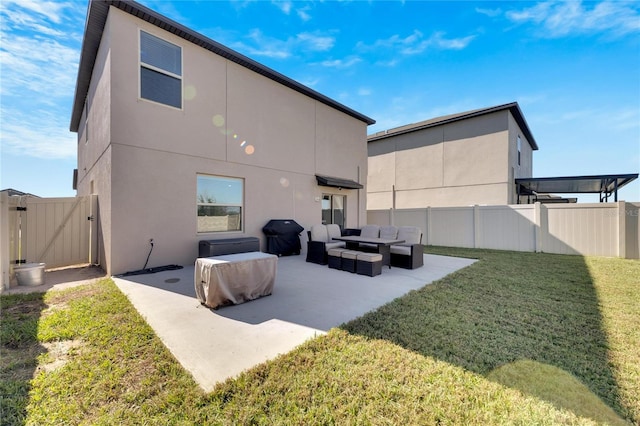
[184, 140]
[15, 193]
[458, 160]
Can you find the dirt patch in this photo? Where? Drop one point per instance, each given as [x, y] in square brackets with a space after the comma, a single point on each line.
[58, 354]
[25, 308]
[79, 292]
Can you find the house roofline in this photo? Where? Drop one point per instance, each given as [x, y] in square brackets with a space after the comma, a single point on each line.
[97, 12]
[513, 107]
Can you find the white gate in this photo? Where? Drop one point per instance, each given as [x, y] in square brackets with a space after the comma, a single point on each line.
[55, 231]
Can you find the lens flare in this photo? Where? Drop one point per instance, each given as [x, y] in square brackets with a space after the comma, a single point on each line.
[284, 182]
[218, 120]
[249, 149]
[189, 92]
[243, 143]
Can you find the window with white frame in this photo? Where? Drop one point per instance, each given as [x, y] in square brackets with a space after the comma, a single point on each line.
[219, 203]
[519, 149]
[160, 70]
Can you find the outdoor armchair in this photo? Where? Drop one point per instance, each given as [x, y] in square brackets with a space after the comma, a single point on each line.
[408, 255]
[321, 241]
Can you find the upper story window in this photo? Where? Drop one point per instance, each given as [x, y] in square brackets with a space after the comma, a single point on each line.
[519, 149]
[219, 203]
[160, 70]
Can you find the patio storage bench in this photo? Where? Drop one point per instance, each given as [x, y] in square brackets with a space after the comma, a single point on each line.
[209, 248]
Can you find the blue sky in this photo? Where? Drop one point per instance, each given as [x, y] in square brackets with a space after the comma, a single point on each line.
[574, 68]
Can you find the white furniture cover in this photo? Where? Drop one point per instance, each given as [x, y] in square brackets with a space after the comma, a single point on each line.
[234, 278]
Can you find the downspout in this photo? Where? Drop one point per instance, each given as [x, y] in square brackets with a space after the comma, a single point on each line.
[358, 201]
[393, 205]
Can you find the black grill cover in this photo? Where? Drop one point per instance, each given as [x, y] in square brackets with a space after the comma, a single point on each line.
[283, 237]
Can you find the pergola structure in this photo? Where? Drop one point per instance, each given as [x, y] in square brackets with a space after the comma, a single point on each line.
[605, 185]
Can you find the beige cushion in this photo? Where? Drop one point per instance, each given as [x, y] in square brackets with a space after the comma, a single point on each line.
[334, 231]
[319, 233]
[401, 250]
[410, 234]
[370, 257]
[370, 231]
[337, 252]
[388, 232]
[335, 244]
[350, 254]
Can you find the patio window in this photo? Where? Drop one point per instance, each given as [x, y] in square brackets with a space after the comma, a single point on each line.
[160, 71]
[219, 203]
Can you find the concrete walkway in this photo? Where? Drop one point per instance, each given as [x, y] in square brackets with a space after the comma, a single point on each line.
[307, 301]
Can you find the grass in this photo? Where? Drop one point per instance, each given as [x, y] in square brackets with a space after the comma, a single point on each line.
[490, 344]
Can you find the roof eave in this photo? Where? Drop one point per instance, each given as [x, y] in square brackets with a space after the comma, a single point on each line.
[512, 107]
[96, 19]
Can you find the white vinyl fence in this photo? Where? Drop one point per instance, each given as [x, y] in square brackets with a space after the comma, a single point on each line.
[55, 231]
[602, 229]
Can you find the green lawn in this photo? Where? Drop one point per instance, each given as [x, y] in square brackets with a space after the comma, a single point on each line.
[516, 338]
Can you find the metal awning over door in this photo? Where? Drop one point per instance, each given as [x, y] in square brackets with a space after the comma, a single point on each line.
[337, 182]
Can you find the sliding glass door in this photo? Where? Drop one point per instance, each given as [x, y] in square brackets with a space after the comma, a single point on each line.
[333, 209]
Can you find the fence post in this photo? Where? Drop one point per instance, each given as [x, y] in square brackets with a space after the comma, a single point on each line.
[477, 234]
[542, 225]
[4, 241]
[428, 229]
[622, 229]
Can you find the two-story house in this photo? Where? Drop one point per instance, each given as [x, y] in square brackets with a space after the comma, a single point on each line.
[462, 159]
[184, 139]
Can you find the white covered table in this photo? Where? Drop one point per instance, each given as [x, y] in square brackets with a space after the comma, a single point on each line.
[234, 278]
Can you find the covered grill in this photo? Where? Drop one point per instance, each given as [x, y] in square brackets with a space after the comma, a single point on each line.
[283, 237]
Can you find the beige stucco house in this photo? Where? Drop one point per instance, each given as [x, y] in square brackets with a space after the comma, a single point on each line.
[471, 158]
[184, 140]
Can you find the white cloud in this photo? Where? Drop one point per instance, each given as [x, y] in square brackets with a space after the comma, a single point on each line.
[443, 43]
[309, 81]
[416, 43]
[316, 42]
[303, 13]
[51, 10]
[37, 64]
[42, 134]
[558, 19]
[39, 53]
[263, 45]
[341, 63]
[364, 91]
[284, 6]
[492, 13]
[287, 7]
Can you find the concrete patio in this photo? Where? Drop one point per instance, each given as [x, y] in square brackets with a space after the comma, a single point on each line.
[307, 301]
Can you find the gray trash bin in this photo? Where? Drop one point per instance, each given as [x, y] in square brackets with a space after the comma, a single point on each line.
[30, 274]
